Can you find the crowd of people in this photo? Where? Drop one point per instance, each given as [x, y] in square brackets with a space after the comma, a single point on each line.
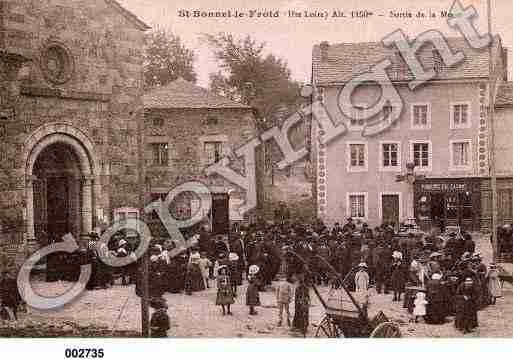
[433, 277]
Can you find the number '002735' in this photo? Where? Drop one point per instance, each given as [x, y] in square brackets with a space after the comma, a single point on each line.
[84, 353]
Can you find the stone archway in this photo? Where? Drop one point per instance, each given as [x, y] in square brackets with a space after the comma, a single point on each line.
[60, 158]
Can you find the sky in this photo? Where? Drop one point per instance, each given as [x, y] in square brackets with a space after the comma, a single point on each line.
[292, 39]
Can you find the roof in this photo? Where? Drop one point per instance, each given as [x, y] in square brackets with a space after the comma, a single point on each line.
[347, 60]
[184, 94]
[129, 15]
[504, 95]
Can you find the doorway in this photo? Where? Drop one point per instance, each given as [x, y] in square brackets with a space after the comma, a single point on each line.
[437, 207]
[390, 209]
[57, 188]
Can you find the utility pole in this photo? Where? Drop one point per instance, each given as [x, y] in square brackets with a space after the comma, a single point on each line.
[144, 263]
[491, 109]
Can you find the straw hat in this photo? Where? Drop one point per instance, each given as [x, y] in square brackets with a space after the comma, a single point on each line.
[436, 276]
[253, 269]
[233, 256]
[195, 256]
[397, 255]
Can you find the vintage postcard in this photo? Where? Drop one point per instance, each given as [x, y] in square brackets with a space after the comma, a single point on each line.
[255, 169]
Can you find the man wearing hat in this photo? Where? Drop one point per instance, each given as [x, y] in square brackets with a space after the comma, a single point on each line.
[466, 307]
[349, 227]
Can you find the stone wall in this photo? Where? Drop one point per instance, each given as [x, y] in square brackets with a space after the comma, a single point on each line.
[185, 131]
[97, 90]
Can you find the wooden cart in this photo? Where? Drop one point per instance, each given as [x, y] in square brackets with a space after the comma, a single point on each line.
[345, 315]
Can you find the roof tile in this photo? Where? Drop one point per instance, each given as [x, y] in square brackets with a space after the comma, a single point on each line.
[348, 60]
[184, 94]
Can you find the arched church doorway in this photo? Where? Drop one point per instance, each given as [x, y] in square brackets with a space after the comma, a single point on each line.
[61, 183]
[57, 186]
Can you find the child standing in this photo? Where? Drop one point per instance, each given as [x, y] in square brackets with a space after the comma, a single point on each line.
[235, 275]
[494, 285]
[420, 303]
[284, 295]
[224, 290]
[205, 265]
[252, 294]
[159, 322]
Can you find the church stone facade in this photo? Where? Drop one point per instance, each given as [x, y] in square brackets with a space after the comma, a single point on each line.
[70, 101]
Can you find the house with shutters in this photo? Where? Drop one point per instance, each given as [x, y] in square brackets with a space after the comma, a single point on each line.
[442, 132]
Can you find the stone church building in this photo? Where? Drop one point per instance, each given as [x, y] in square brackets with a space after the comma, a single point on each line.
[70, 98]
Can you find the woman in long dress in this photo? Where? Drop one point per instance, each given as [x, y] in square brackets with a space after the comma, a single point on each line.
[494, 285]
[194, 279]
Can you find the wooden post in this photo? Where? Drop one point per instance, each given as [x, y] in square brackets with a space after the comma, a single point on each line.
[145, 312]
[491, 109]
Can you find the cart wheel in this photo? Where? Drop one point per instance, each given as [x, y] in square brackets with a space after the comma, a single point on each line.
[386, 330]
[328, 329]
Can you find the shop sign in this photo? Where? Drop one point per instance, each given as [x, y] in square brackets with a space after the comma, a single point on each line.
[443, 187]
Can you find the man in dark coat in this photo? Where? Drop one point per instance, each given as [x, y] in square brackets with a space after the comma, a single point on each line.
[349, 227]
[468, 244]
[466, 307]
[9, 294]
[302, 306]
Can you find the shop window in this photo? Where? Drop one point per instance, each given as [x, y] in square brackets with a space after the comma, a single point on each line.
[452, 207]
[467, 206]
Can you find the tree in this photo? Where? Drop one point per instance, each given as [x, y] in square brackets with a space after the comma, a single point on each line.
[167, 59]
[247, 75]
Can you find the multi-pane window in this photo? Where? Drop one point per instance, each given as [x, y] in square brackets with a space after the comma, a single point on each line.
[461, 154]
[357, 205]
[213, 151]
[357, 152]
[420, 115]
[460, 115]
[421, 155]
[160, 154]
[390, 155]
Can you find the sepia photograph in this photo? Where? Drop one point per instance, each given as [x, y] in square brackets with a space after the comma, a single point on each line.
[292, 169]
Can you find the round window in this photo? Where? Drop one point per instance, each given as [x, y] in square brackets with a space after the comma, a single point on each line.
[56, 63]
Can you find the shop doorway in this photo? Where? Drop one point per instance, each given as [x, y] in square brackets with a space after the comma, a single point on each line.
[437, 207]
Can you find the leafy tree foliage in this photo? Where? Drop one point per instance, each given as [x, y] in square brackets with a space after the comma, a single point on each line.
[167, 59]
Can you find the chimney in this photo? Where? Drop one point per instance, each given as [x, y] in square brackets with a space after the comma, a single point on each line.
[325, 45]
[505, 63]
